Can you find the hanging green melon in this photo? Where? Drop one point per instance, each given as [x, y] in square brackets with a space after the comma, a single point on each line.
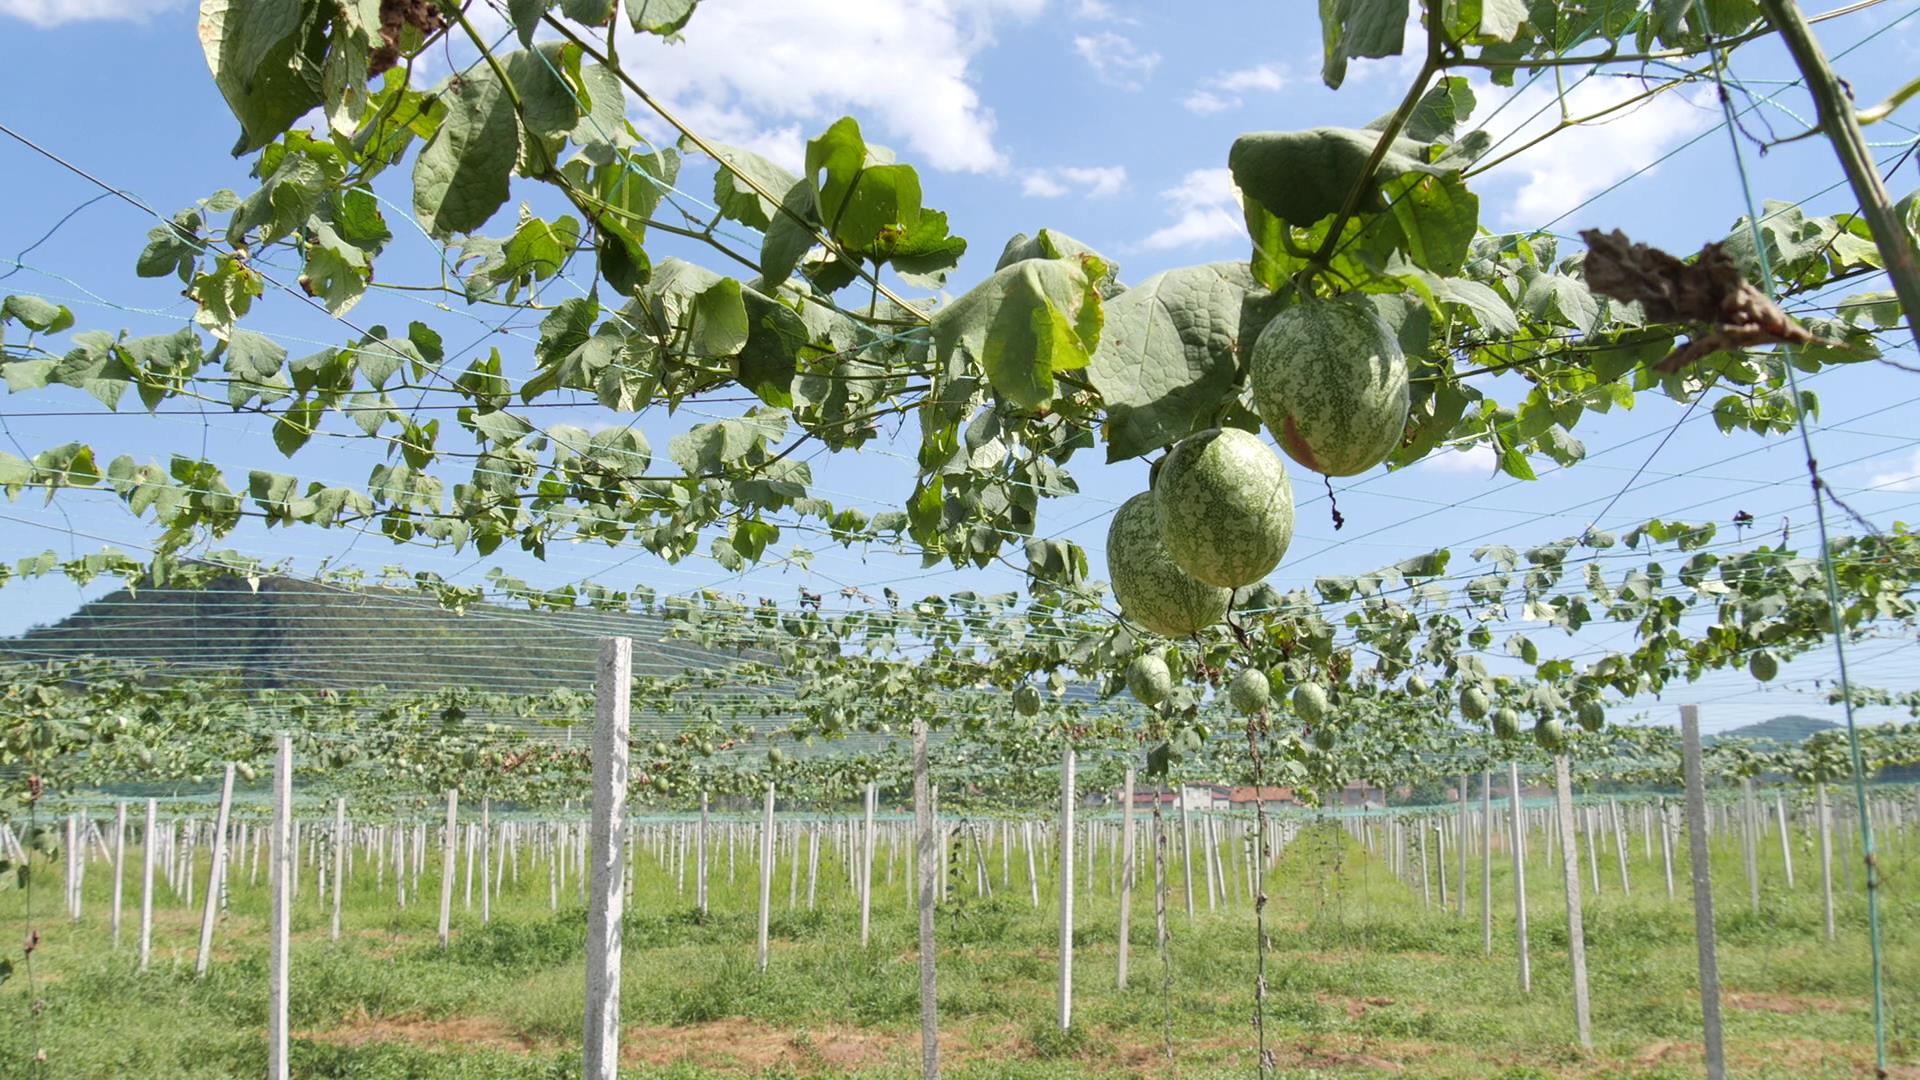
[1416, 686]
[1330, 381]
[1225, 507]
[1149, 680]
[1763, 666]
[1506, 723]
[1310, 702]
[1248, 691]
[1551, 733]
[1324, 737]
[1474, 703]
[1150, 587]
[1026, 700]
[1591, 714]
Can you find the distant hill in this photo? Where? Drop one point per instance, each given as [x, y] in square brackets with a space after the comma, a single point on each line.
[1784, 730]
[299, 634]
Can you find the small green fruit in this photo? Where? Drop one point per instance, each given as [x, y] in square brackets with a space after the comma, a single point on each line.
[1310, 702]
[1474, 703]
[1248, 691]
[1763, 666]
[1026, 701]
[1149, 680]
[1550, 732]
[1416, 686]
[1323, 737]
[1592, 715]
[1506, 723]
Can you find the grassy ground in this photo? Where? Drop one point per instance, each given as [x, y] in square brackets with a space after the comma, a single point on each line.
[1363, 980]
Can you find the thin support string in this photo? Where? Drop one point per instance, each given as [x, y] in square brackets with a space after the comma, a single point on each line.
[1877, 958]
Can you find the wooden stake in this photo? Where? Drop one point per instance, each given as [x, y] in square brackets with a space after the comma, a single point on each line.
[766, 875]
[150, 847]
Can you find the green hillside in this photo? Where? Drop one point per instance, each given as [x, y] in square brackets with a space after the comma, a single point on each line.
[1786, 730]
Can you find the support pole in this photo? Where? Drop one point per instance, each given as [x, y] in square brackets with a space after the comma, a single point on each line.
[928, 869]
[1702, 875]
[866, 867]
[766, 874]
[1576, 925]
[1126, 879]
[279, 922]
[149, 848]
[606, 904]
[1066, 889]
[216, 874]
[1520, 876]
[119, 864]
[447, 847]
[341, 842]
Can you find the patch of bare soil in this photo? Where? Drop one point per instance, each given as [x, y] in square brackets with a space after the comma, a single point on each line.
[473, 1031]
[739, 1043]
[1786, 1004]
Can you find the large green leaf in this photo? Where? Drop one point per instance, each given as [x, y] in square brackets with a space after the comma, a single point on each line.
[265, 56]
[1023, 324]
[1359, 28]
[548, 104]
[1303, 176]
[462, 175]
[733, 196]
[661, 17]
[1167, 356]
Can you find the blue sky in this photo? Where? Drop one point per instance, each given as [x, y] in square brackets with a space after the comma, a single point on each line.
[1107, 121]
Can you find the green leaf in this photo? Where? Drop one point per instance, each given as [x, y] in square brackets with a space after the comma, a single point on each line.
[770, 358]
[253, 357]
[788, 236]
[1438, 219]
[661, 17]
[461, 176]
[265, 56]
[1167, 359]
[732, 195]
[1303, 176]
[548, 105]
[336, 272]
[1444, 107]
[526, 17]
[37, 315]
[172, 248]
[1012, 323]
[1514, 463]
[588, 12]
[707, 449]
[1053, 244]
[1488, 308]
[24, 375]
[1563, 300]
[1359, 28]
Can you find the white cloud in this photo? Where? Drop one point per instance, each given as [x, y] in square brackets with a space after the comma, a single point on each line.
[1092, 180]
[1116, 59]
[1901, 477]
[1223, 91]
[770, 76]
[44, 13]
[1474, 460]
[1095, 11]
[1209, 209]
[1574, 165]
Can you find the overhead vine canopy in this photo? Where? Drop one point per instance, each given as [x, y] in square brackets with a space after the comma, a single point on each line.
[1376, 321]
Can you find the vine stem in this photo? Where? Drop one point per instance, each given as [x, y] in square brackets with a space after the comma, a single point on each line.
[708, 149]
[1842, 125]
[1435, 62]
[1256, 728]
